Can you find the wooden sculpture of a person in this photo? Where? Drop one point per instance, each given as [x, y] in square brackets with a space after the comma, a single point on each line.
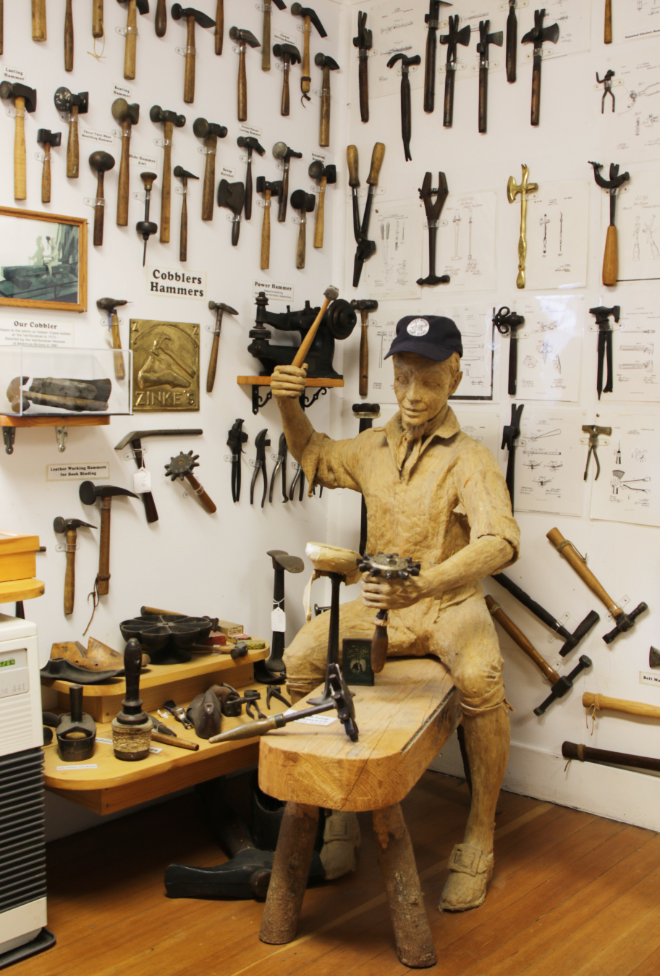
[438, 496]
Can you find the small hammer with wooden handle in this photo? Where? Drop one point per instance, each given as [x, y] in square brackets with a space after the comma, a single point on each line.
[25, 100]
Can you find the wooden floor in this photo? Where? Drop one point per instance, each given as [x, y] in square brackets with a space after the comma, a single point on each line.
[572, 895]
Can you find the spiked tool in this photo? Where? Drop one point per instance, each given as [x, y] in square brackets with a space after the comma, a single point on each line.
[235, 440]
[110, 306]
[183, 175]
[47, 139]
[611, 257]
[510, 435]
[433, 23]
[168, 119]
[268, 190]
[100, 163]
[624, 621]
[507, 323]
[134, 7]
[127, 116]
[452, 39]
[250, 144]
[210, 132]
[324, 176]
[406, 113]
[289, 54]
[513, 189]
[304, 203]
[219, 308]
[181, 467]
[364, 42]
[73, 106]
[232, 196]
[327, 64]
[70, 527]
[537, 36]
[25, 100]
[135, 438]
[284, 153]
[485, 40]
[265, 37]
[89, 493]
[192, 17]
[146, 227]
[309, 17]
[511, 42]
[433, 210]
[364, 306]
[602, 315]
[243, 38]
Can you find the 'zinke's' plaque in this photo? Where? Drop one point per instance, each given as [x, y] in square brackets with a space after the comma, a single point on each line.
[165, 365]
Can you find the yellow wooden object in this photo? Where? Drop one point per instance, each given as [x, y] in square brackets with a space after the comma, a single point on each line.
[22, 589]
[17, 556]
[590, 700]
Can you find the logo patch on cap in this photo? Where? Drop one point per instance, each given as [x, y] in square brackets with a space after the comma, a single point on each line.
[418, 327]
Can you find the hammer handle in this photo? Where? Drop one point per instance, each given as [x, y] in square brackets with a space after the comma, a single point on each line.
[611, 257]
[265, 41]
[161, 18]
[131, 41]
[207, 502]
[73, 146]
[123, 184]
[483, 98]
[120, 371]
[219, 26]
[45, 176]
[364, 354]
[324, 132]
[20, 186]
[608, 22]
[379, 648]
[189, 76]
[286, 95]
[265, 234]
[177, 743]
[213, 361]
[70, 571]
[103, 576]
[429, 73]
[302, 244]
[306, 79]
[583, 571]
[97, 18]
[183, 230]
[242, 85]
[536, 90]
[99, 210]
[574, 750]
[303, 348]
[166, 191]
[589, 700]
[448, 114]
[519, 638]
[363, 82]
[68, 37]
[208, 190]
[39, 21]
[320, 214]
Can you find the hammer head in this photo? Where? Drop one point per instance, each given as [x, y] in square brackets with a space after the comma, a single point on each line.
[579, 633]
[47, 138]
[110, 304]
[284, 152]
[287, 50]
[183, 174]
[241, 36]
[299, 11]
[157, 114]
[325, 61]
[303, 201]
[121, 111]
[251, 144]
[331, 293]
[624, 622]
[263, 185]
[406, 62]
[602, 314]
[101, 161]
[89, 492]
[202, 129]
[13, 90]
[370, 411]
[64, 525]
[142, 5]
[364, 304]
[201, 18]
[65, 100]
[232, 196]
[221, 307]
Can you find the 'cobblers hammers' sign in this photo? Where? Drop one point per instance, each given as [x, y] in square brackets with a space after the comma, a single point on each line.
[176, 283]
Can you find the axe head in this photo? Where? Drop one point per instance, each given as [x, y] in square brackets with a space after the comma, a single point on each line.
[539, 34]
[121, 111]
[220, 306]
[290, 50]
[485, 38]
[250, 143]
[299, 11]
[303, 201]
[200, 17]
[13, 90]
[157, 114]
[325, 61]
[183, 174]
[232, 196]
[241, 36]
[46, 137]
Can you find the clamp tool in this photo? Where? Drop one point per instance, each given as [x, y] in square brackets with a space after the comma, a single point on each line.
[261, 442]
[602, 315]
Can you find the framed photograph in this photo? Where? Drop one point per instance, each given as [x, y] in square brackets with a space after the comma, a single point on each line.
[43, 260]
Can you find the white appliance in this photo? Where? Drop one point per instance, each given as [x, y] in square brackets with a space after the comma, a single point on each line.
[22, 829]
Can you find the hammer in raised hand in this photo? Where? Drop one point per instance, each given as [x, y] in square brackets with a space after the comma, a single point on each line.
[210, 132]
[110, 306]
[72, 106]
[183, 175]
[25, 100]
[250, 144]
[134, 6]
[324, 176]
[242, 37]
[269, 190]
[289, 55]
[47, 139]
[327, 64]
[70, 527]
[168, 119]
[331, 294]
[89, 492]
[309, 17]
[127, 116]
[364, 306]
[624, 621]
[192, 17]
[218, 308]
[265, 37]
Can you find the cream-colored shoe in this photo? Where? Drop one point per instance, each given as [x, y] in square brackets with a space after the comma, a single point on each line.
[470, 870]
[341, 838]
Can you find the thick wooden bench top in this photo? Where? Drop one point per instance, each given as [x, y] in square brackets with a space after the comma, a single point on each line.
[404, 720]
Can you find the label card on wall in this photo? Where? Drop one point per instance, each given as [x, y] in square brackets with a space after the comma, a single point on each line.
[634, 355]
[33, 331]
[466, 242]
[175, 283]
[77, 472]
[638, 226]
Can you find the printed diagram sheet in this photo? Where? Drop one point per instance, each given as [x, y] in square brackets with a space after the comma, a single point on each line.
[634, 360]
[638, 226]
[549, 346]
[557, 235]
[475, 324]
[483, 427]
[549, 462]
[465, 248]
[396, 27]
[628, 489]
[636, 19]
[634, 126]
[392, 272]
[574, 19]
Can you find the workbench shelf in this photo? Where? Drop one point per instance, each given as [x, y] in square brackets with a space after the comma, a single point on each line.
[60, 423]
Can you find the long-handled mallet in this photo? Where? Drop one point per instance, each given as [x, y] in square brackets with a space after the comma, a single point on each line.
[561, 685]
[571, 641]
[331, 294]
[624, 621]
[25, 100]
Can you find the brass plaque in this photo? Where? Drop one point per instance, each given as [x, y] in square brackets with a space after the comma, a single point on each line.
[165, 365]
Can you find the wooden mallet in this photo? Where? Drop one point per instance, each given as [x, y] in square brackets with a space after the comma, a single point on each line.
[100, 162]
[25, 100]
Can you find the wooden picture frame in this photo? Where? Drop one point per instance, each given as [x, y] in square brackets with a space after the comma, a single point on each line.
[52, 268]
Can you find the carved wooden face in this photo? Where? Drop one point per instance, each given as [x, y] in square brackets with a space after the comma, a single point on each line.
[422, 386]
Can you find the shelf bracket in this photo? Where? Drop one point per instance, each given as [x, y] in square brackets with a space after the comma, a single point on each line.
[259, 401]
[61, 433]
[306, 401]
[9, 436]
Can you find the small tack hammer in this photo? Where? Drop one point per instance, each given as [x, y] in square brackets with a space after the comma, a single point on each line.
[364, 306]
[47, 139]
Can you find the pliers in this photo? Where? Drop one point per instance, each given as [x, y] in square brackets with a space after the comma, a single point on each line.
[272, 692]
[237, 437]
[298, 478]
[280, 462]
[261, 443]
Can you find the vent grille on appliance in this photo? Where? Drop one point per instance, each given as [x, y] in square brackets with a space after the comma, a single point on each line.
[15, 723]
[22, 829]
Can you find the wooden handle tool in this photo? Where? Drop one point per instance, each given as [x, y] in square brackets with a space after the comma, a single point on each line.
[166, 190]
[324, 130]
[131, 41]
[39, 32]
[306, 80]
[265, 40]
[169, 740]
[286, 92]
[97, 18]
[2, 27]
[590, 700]
[70, 572]
[73, 146]
[161, 18]
[570, 554]
[265, 233]
[20, 179]
[183, 228]
[103, 575]
[611, 257]
[68, 36]
[364, 354]
[191, 53]
[242, 86]
[124, 174]
[608, 22]
[331, 294]
[320, 214]
[45, 175]
[519, 638]
[120, 371]
[219, 26]
[575, 750]
[99, 210]
[301, 248]
[200, 491]
[208, 190]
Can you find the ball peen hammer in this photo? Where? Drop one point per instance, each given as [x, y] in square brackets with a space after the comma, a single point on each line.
[70, 527]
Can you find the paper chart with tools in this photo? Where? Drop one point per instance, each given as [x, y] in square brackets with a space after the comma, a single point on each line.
[549, 346]
[638, 226]
[475, 325]
[466, 241]
[392, 272]
[574, 20]
[483, 427]
[638, 18]
[631, 113]
[628, 489]
[557, 235]
[549, 462]
[396, 28]
[634, 360]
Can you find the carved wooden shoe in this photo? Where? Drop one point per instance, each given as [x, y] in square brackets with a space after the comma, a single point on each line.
[96, 657]
[341, 838]
[470, 870]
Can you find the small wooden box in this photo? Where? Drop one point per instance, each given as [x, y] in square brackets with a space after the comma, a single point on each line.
[17, 556]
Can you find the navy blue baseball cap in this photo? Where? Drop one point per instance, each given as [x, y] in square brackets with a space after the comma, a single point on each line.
[432, 336]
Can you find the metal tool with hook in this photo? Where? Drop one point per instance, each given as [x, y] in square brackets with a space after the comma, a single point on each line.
[261, 442]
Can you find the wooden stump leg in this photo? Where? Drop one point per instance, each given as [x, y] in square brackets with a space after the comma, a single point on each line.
[288, 881]
[414, 943]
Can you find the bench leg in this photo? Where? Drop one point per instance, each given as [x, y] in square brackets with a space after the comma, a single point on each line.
[414, 944]
[293, 857]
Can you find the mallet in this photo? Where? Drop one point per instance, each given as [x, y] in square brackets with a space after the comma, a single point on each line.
[285, 154]
[25, 100]
[210, 132]
[309, 17]
[47, 139]
[624, 621]
[127, 116]
[100, 162]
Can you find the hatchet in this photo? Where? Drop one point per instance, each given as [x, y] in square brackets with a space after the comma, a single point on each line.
[537, 36]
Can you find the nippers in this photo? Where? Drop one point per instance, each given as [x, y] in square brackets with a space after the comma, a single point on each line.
[261, 442]
[280, 462]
